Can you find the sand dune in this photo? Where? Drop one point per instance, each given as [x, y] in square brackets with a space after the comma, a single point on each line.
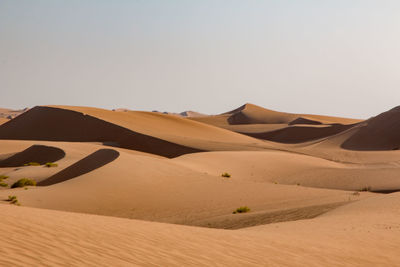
[354, 235]
[164, 135]
[305, 179]
[377, 133]
[276, 126]
[253, 114]
[150, 188]
[300, 134]
[304, 170]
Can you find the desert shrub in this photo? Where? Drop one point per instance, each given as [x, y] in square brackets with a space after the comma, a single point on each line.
[13, 200]
[50, 164]
[3, 177]
[241, 210]
[3, 184]
[226, 175]
[365, 189]
[32, 164]
[23, 182]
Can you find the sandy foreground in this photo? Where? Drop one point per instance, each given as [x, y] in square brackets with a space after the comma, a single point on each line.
[365, 233]
[145, 188]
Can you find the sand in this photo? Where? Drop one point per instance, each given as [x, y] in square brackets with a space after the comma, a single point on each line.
[365, 233]
[145, 188]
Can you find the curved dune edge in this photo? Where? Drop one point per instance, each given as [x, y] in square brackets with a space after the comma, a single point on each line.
[253, 114]
[90, 163]
[55, 124]
[300, 134]
[262, 218]
[36, 153]
[302, 120]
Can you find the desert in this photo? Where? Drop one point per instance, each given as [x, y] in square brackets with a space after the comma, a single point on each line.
[199, 133]
[146, 188]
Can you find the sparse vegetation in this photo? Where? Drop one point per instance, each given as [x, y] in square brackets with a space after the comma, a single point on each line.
[226, 175]
[356, 193]
[365, 189]
[3, 184]
[32, 164]
[13, 200]
[24, 182]
[241, 210]
[50, 164]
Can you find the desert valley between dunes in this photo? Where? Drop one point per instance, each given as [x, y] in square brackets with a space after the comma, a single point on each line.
[122, 188]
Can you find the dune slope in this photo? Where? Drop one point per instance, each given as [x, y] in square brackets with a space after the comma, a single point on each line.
[354, 235]
[378, 133]
[164, 135]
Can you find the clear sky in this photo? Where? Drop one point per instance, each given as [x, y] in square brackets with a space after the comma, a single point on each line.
[338, 57]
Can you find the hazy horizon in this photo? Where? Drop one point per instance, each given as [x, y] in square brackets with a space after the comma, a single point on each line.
[336, 58]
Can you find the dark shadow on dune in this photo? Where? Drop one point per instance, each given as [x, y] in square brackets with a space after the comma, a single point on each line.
[36, 153]
[56, 124]
[301, 120]
[300, 134]
[377, 133]
[92, 162]
[250, 219]
[385, 191]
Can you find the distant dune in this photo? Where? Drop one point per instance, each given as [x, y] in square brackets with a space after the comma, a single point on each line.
[277, 126]
[159, 134]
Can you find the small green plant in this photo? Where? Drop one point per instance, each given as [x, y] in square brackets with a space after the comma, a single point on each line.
[32, 164]
[3, 184]
[23, 182]
[226, 175]
[13, 200]
[365, 189]
[241, 210]
[50, 164]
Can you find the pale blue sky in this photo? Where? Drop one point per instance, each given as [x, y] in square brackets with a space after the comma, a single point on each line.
[339, 57]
